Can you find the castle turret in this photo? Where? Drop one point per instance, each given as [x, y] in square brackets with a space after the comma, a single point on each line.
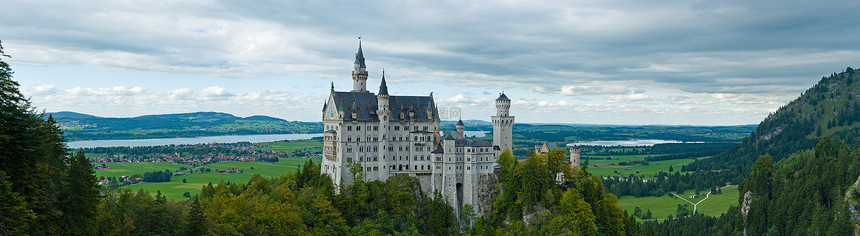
[503, 124]
[574, 156]
[461, 133]
[383, 112]
[359, 72]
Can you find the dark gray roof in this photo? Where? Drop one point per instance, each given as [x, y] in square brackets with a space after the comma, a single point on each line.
[438, 149]
[472, 143]
[364, 104]
[448, 136]
[503, 97]
[383, 88]
[359, 58]
[460, 122]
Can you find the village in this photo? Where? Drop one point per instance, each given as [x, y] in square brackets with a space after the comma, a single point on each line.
[198, 154]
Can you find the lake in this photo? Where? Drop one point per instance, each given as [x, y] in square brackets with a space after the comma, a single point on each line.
[257, 138]
[631, 142]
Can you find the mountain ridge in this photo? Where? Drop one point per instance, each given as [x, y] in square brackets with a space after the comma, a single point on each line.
[828, 108]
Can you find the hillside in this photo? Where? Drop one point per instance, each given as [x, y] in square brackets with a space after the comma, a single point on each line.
[829, 108]
[78, 126]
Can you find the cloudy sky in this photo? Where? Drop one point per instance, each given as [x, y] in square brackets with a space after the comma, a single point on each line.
[597, 62]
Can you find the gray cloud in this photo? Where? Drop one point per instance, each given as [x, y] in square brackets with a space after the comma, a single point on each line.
[612, 51]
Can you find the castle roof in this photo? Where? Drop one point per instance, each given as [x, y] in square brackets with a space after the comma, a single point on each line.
[364, 104]
[359, 58]
[472, 143]
[383, 88]
[460, 122]
[502, 97]
[438, 149]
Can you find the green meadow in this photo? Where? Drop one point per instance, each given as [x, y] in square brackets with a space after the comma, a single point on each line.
[666, 205]
[295, 145]
[609, 167]
[118, 169]
[194, 182]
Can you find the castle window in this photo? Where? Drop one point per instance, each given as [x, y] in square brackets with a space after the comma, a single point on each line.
[375, 168]
[468, 168]
[358, 128]
[406, 128]
[416, 168]
[415, 158]
[349, 128]
[374, 158]
[375, 128]
[425, 128]
[397, 128]
[415, 138]
[357, 139]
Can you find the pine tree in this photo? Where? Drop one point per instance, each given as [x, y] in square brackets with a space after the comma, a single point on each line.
[80, 196]
[13, 209]
[196, 224]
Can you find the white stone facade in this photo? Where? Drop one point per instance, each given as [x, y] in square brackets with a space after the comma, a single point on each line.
[390, 135]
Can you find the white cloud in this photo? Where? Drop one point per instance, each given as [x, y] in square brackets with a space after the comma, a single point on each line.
[629, 98]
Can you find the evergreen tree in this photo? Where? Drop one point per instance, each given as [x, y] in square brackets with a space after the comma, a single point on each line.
[80, 196]
[196, 224]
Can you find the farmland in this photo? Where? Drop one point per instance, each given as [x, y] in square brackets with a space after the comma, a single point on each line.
[194, 182]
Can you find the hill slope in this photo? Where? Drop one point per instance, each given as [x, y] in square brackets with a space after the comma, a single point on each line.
[827, 109]
[78, 126]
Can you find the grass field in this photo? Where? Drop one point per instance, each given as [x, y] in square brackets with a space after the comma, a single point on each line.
[661, 207]
[604, 167]
[291, 146]
[118, 169]
[194, 182]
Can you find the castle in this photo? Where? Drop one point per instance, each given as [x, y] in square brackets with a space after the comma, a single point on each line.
[392, 134]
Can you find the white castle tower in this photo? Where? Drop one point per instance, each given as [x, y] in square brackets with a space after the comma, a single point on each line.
[359, 72]
[503, 124]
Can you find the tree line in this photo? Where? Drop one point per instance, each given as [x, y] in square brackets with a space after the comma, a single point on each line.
[43, 190]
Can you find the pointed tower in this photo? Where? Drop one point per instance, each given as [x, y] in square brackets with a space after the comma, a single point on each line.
[383, 112]
[359, 72]
[503, 124]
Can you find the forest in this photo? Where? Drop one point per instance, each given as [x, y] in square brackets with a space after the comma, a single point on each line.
[811, 192]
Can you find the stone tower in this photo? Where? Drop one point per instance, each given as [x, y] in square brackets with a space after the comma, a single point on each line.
[503, 124]
[461, 130]
[383, 113]
[359, 72]
[574, 156]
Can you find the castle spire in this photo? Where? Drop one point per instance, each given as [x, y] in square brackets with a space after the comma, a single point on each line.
[383, 88]
[359, 71]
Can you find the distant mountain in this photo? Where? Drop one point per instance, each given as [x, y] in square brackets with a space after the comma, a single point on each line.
[77, 126]
[69, 114]
[829, 108]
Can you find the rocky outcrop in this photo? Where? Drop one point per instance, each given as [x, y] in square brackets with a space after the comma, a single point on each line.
[851, 197]
[487, 193]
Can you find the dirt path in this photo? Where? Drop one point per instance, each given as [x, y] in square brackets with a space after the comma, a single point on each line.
[695, 205]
